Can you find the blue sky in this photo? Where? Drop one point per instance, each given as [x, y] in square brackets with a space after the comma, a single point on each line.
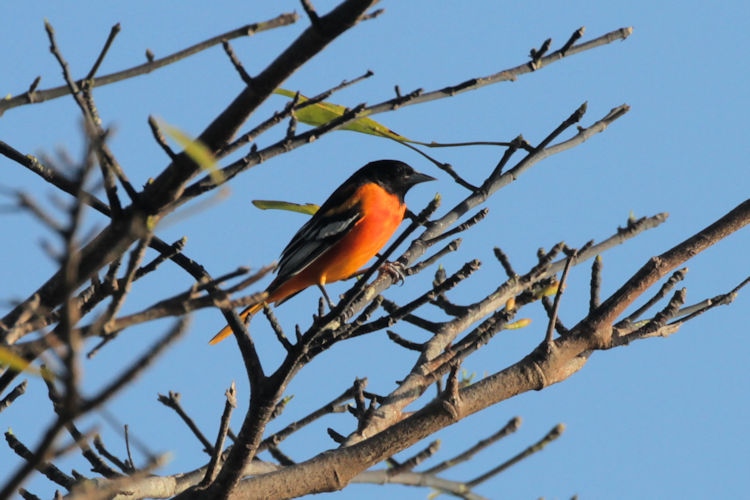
[663, 418]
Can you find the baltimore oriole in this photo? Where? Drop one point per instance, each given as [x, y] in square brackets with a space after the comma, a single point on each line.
[353, 224]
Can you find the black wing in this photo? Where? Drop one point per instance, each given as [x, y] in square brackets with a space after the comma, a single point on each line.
[320, 233]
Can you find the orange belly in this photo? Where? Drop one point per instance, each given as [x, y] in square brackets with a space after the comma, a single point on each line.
[384, 213]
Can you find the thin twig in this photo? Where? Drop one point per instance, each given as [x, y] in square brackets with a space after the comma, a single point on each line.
[131, 463]
[555, 433]
[280, 456]
[276, 327]
[417, 459]
[103, 451]
[111, 38]
[310, 11]
[464, 272]
[334, 406]
[13, 395]
[661, 318]
[676, 277]
[407, 344]
[49, 470]
[690, 312]
[230, 405]
[596, 282]
[477, 217]
[160, 139]
[559, 327]
[173, 401]
[419, 266]
[236, 63]
[556, 305]
[573, 39]
[136, 368]
[248, 30]
[509, 428]
[26, 495]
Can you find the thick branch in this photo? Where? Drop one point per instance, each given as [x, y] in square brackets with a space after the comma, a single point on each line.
[657, 267]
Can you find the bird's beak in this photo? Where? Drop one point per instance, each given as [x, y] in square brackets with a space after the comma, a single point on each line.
[418, 177]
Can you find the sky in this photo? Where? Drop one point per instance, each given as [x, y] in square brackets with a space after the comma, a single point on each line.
[661, 418]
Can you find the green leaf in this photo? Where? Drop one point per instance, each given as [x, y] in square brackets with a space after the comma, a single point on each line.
[196, 150]
[521, 323]
[307, 208]
[16, 362]
[323, 112]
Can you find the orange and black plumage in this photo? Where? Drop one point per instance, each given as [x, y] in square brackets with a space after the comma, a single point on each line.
[353, 224]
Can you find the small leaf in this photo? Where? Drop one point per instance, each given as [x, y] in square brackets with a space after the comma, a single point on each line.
[196, 150]
[17, 363]
[548, 291]
[323, 112]
[307, 208]
[521, 323]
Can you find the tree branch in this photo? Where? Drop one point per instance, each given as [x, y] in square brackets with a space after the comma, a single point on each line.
[36, 96]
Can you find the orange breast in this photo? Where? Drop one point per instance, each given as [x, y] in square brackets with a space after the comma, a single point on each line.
[383, 213]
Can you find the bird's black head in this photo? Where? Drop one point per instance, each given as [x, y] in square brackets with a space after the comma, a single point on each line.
[394, 176]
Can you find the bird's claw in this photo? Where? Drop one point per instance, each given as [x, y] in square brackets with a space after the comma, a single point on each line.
[395, 269]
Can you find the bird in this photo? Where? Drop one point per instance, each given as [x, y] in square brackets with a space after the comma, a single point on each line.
[348, 230]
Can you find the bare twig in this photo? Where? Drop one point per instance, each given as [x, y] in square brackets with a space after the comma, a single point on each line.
[160, 139]
[464, 272]
[310, 11]
[407, 344]
[26, 495]
[552, 435]
[111, 38]
[658, 266]
[13, 395]
[131, 463]
[596, 282]
[573, 39]
[690, 312]
[280, 456]
[136, 368]
[661, 318]
[419, 266]
[334, 406]
[509, 428]
[49, 470]
[236, 63]
[276, 327]
[477, 217]
[556, 305]
[173, 401]
[230, 405]
[123, 465]
[54, 93]
[510, 74]
[505, 262]
[417, 459]
[676, 277]
[418, 479]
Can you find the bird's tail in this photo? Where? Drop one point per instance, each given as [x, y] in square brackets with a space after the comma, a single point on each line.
[227, 330]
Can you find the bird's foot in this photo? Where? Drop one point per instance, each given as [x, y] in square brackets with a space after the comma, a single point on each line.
[395, 269]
